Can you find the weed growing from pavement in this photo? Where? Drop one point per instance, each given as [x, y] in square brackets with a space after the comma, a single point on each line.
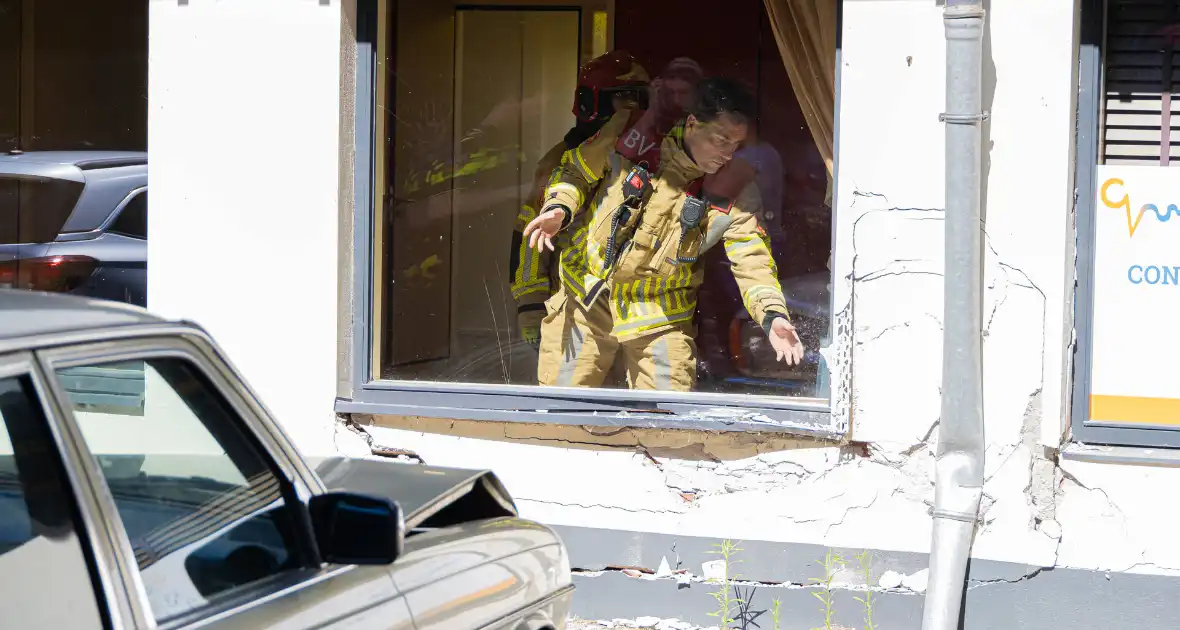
[864, 561]
[833, 562]
[727, 599]
[729, 603]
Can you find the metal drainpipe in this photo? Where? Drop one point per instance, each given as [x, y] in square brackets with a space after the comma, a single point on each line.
[958, 476]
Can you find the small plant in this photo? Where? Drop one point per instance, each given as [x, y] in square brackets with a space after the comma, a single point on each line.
[728, 601]
[864, 561]
[776, 614]
[833, 563]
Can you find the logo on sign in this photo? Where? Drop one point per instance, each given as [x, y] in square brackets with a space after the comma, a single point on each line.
[1133, 216]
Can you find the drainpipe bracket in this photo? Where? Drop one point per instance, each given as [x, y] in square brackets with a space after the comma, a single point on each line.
[963, 10]
[965, 517]
[964, 119]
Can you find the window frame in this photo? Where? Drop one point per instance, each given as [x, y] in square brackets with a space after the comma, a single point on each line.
[296, 486]
[110, 597]
[812, 417]
[1090, 94]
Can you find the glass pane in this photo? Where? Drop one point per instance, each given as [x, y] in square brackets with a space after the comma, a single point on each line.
[34, 210]
[132, 219]
[691, 282]
[1141, 80]
[201, 506]
[44, 574]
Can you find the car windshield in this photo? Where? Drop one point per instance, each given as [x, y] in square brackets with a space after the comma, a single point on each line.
[33, 210]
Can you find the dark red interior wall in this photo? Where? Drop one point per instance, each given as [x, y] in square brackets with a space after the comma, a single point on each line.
[733, 38]
[721, 36]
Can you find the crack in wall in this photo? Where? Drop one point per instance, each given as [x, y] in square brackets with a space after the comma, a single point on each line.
[1041, 491]
[924, 442]
[974, 584]
[381, 450]
[848, 510]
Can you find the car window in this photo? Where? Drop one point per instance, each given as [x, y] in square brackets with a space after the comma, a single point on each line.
[202, 508]
[132, 220]
[33, 210]
[45, 578]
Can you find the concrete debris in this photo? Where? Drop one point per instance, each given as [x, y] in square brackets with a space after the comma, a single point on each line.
[713, 569]
[891, 579]
[917, 582]
[646, 623]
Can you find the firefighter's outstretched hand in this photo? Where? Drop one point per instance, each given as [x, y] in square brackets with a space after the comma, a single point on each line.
[785, 340]
[541, 230]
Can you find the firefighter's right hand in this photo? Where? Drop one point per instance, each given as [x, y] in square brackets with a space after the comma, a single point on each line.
[541, 230]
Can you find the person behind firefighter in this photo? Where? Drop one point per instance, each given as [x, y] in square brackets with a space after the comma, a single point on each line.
[673, 92]
[607, 83]
[630, 271]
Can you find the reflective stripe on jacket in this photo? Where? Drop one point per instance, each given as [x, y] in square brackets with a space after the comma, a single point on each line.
[531, 269]
[651, 286]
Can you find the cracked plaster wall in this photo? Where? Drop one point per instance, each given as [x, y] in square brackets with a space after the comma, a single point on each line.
[888, 264]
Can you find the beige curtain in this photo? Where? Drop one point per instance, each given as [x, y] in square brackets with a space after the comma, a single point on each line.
[805, 31]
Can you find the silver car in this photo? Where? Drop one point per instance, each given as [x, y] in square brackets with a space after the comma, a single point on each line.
[75, 222]
[144, 485]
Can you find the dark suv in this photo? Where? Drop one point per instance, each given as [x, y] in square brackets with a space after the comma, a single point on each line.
[75, 222]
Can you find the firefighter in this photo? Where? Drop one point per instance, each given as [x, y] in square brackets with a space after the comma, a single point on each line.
[610, 82]
[630, 270]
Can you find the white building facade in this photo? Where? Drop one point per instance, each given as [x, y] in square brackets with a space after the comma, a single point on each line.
[261, 136]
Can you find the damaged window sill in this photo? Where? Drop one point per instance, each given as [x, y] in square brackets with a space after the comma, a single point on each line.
[815, 422]
[1129, 455]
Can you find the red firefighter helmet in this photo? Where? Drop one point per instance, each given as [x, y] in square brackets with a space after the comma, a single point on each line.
[602, 78]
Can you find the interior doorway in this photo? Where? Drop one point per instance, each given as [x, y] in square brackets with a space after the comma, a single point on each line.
[513, 72]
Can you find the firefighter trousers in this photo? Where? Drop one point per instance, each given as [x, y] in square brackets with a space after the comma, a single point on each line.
[578, 349]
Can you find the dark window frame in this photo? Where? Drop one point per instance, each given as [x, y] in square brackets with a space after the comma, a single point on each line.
[532, 404]
[1090, 95]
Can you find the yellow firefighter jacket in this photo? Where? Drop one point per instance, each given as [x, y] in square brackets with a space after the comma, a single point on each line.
[652, 281]
[531, 269]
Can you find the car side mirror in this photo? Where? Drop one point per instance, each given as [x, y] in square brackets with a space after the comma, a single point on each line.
[357, 529]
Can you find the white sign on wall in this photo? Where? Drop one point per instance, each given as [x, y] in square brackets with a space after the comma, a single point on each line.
[1136, 350]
